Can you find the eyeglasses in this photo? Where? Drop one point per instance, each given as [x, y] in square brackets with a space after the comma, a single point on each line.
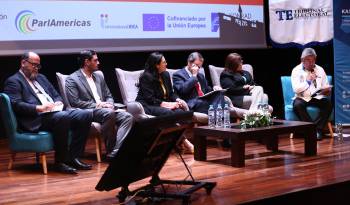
[36, 65]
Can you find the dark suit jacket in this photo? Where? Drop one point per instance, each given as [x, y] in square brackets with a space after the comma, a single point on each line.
[150, 91]
[184, 86]
[79, 93]
[24, 100]
[234, 82]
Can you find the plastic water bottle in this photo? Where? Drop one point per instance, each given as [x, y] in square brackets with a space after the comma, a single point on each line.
[339, 131]
[211, 116]
[260, 106]
[227, 123]
[219, 115]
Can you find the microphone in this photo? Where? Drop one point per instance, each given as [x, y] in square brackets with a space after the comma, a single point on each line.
[312, 70]
[315, 83]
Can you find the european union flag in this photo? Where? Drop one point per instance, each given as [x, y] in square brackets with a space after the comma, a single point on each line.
[153, 22]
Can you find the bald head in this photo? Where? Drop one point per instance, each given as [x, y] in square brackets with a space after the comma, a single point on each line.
[30, 64]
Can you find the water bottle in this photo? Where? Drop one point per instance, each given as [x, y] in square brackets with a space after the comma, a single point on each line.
[260, 106]
[227, 123]
[339, 131]
[211, 116]
[219, 115]
[265, 108]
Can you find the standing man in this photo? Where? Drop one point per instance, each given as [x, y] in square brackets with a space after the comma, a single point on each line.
[38, 106]
[307, 78]
[88, 90]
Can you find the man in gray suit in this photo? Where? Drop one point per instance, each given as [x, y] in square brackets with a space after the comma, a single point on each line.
[88, 90]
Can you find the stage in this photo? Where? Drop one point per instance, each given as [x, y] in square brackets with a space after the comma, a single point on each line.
[287, 177]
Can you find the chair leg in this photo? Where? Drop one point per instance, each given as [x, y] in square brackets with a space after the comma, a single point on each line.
[37, 157]
[330, 128]
[98, 149]
[12, 159]
[43, 161]
[291, 136]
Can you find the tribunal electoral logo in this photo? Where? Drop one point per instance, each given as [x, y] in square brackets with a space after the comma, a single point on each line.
[22, 21]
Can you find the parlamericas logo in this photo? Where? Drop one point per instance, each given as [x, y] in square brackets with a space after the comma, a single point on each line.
[23, 21]
[26, 22]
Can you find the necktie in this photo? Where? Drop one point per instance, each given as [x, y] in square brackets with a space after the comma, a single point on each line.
[199, 90]
[42, 91]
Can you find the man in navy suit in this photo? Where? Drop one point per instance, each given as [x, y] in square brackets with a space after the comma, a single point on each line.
[38, 106]
[190, 84]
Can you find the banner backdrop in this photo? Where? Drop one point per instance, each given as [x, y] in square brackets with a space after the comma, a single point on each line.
[341, 46]
[300, 22]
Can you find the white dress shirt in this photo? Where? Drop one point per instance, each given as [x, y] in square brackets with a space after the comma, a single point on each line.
[93, 88]
[302, 88]
[44, 98]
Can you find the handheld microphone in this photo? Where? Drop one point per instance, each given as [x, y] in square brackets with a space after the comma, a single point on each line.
[315, 83]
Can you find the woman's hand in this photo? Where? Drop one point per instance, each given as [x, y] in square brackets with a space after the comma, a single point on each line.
[170, 105]
[246, 86]
[182, 103]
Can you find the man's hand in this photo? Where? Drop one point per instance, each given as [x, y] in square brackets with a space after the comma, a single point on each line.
[194, 69]
[45, 108]
[311, 76]
[104, 105]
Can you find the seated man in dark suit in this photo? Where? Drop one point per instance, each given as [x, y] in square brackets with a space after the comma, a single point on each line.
[38, 106]
[190, 84]
[87, 90]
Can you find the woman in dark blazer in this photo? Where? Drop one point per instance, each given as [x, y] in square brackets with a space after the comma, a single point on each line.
[156, 92]
[155, 89]
[241, 88]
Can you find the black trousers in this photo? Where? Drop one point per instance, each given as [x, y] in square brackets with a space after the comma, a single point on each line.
[61, 124]
[159, 111]
[324, 104]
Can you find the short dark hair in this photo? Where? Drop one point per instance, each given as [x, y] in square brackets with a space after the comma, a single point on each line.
[232, 62]
[85, 55]
[194, 56]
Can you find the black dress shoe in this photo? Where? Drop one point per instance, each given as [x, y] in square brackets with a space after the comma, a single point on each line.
[76, 163]
[112, 154]
[62, 167]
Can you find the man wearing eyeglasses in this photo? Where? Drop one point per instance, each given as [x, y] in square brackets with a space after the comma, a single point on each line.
[311, 88]
[38, 106]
